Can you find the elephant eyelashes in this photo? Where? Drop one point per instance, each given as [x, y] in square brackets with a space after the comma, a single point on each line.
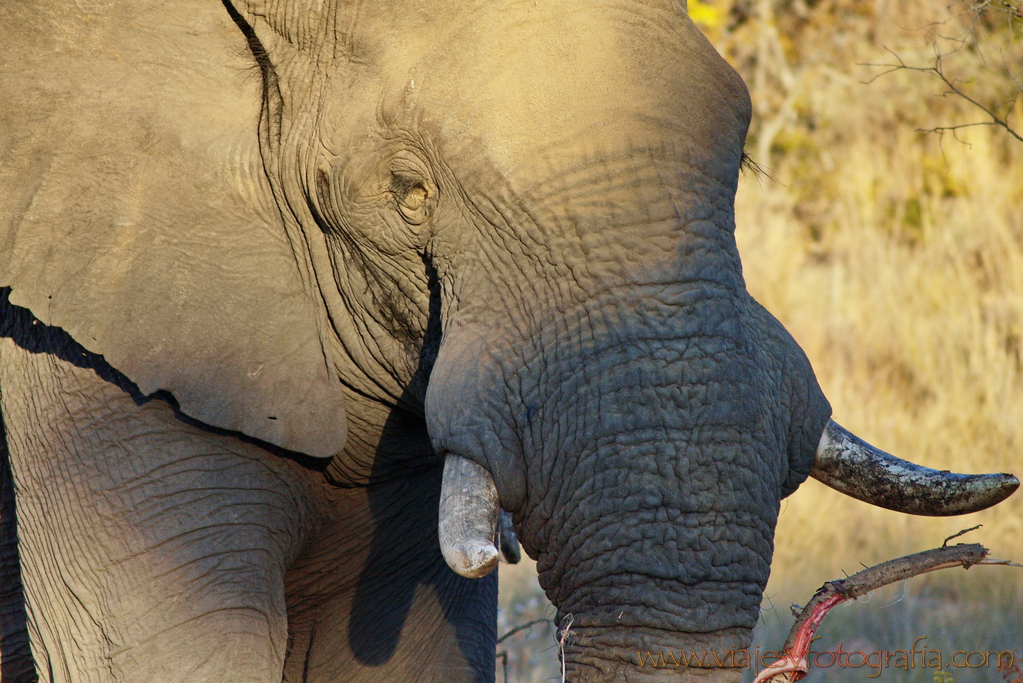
[415, 202]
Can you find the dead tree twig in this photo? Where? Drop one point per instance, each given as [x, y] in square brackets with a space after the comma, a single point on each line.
[564, 634]
[954, 85]
[937, 69]
[523, 627]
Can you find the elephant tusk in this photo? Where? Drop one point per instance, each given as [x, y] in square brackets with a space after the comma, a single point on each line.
[857, 469]
[467, 524]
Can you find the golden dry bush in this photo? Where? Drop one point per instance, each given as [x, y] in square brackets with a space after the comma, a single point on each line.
[894, 257]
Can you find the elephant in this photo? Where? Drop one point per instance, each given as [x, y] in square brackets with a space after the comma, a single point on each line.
[299, 295]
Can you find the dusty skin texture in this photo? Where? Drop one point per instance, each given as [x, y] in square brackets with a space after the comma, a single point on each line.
[266, 263]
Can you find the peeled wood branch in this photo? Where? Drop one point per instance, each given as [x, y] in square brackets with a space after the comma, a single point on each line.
[892, 571]
[792, 666]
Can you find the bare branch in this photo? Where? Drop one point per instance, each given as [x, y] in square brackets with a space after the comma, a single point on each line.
[523, 627]
[792, 665]
[960, 533]
[892, 571]
[954, 84]
[995, 119]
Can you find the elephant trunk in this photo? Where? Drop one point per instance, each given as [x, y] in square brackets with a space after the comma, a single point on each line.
[644, 460]
[597, 656]
[639, 414]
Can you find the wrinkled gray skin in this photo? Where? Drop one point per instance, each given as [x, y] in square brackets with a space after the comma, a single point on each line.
[242, 238]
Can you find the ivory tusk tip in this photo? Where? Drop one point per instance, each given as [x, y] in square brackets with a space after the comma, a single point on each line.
[1010, 484]
[467, 518]
[472, 562]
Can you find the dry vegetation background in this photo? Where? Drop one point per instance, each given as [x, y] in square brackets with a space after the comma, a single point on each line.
[896, 260]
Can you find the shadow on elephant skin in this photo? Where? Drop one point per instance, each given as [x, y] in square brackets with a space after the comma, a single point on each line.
[384, 597]
[405, 459]
[16, 665]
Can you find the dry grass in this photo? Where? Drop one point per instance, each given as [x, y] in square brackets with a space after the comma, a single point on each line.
[896, 260]
[530, 655]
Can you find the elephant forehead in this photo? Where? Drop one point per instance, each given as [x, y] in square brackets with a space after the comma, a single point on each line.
[525, 74]
[523, 77]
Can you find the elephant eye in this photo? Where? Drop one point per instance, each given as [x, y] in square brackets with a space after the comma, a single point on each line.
[414, 199]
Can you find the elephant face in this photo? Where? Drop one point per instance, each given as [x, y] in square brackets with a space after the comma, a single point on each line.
[496, 234]
[546, 193]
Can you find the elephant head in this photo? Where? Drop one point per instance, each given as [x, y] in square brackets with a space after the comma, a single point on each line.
[537, 205]
[512, 220]
[539, 199]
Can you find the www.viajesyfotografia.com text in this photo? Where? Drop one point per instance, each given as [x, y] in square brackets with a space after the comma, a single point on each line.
[918, 656]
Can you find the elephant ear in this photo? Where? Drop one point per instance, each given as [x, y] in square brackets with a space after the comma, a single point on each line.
[135, 215]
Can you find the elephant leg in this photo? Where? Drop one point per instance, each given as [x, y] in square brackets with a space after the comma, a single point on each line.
[152, 550]
[371, 599]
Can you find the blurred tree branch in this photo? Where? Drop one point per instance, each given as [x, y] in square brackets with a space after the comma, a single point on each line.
[529, 624]
[772, 74]
[980, 28]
